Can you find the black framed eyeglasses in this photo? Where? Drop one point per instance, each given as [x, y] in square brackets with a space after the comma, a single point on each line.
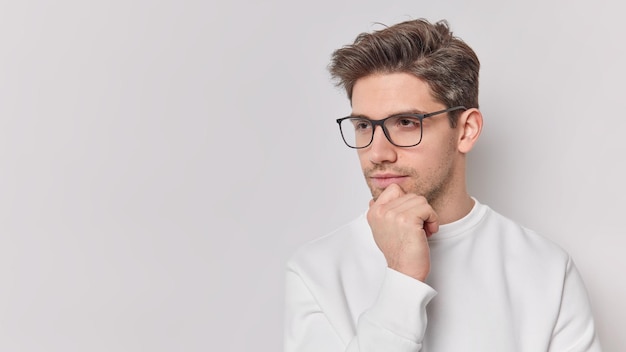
[402, 130]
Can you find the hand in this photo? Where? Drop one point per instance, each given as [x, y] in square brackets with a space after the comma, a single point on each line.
[401, 224]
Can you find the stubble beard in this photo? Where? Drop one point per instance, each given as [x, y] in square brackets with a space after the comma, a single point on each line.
[432, 190]
[433, 185]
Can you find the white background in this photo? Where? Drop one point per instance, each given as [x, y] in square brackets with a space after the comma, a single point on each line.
[161, 160]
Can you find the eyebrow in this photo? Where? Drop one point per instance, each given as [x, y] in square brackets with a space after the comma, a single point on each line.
[402, 112]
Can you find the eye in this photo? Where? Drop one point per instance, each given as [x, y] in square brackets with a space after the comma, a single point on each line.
[361, 125]
[405, 123]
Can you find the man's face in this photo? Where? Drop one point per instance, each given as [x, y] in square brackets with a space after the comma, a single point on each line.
[430, 169]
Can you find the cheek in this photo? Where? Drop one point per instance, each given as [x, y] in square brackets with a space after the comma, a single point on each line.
[441, 144]
[363, 159]
[427, 157]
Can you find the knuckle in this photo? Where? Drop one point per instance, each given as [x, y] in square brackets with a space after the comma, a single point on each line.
[403, 219]
[390, 215]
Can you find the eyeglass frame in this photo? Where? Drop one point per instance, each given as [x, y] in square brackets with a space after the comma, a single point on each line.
[381, 123]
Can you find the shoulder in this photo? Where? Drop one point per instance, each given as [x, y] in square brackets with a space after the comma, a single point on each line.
[348, 245]
[519, 241]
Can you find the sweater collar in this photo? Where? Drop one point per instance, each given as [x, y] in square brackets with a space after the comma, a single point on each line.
[462, 225]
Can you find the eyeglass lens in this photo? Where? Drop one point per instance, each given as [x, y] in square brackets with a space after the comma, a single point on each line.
[403, 131]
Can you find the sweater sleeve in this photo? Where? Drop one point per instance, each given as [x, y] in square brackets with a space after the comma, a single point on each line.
[395, 322]
[574, 330]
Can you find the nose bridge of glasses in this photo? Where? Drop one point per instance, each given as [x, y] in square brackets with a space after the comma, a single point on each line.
[382, 129]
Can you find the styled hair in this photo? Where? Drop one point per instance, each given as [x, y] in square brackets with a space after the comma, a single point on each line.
[429, 51]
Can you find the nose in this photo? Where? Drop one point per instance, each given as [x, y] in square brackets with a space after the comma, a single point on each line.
[381, 150]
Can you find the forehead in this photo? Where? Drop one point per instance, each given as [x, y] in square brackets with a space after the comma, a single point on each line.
[383, 94]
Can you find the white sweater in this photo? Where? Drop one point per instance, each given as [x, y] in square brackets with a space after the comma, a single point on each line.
[493, 286]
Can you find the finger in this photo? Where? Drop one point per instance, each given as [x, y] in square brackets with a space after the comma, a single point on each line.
[393, 191]
[406, 203]
[431, 224]
[419, 208]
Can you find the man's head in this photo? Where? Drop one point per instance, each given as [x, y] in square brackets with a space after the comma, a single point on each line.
[428, 51]
[413, 67]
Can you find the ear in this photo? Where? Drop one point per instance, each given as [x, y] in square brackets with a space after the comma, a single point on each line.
[470, 124]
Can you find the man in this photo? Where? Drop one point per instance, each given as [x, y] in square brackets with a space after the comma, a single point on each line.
[428, 268]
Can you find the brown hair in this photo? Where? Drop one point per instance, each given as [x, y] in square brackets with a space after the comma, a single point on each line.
[429, 51]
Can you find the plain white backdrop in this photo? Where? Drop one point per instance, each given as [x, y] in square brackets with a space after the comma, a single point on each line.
[161, 160]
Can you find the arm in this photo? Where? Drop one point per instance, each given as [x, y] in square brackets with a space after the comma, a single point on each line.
[574, 330]
[395, 322]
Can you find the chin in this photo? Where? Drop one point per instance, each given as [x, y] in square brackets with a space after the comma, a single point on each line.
[375, 192]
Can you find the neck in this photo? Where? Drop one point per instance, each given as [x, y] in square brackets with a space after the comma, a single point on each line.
[453, 208]
[452, 202]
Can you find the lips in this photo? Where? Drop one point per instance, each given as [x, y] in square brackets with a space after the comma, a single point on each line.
[384, 180]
